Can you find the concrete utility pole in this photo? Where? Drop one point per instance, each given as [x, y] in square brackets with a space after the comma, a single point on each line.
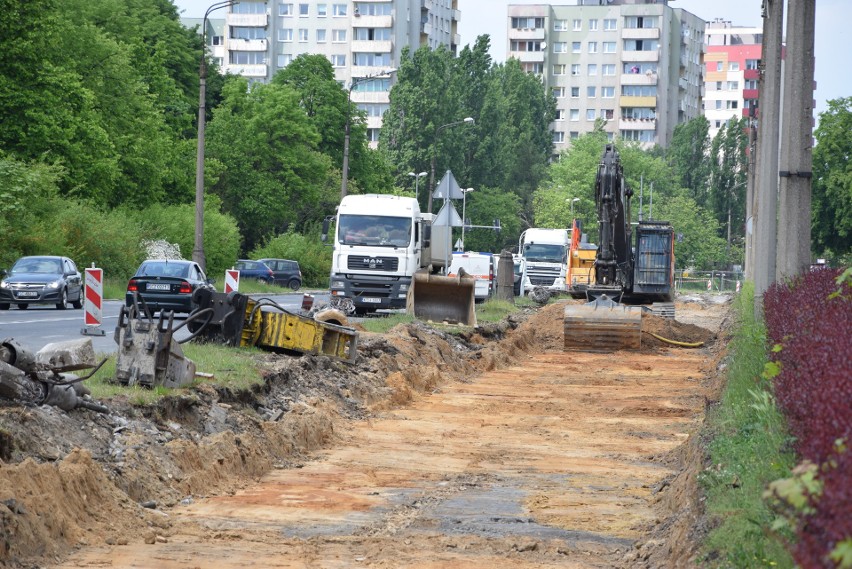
[796, 162]
[766, 188]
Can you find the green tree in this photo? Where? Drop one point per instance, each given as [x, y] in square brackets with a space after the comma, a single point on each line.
[483, 207]
[728, 174]
[832, 182]
[689, 156]
[271, 173]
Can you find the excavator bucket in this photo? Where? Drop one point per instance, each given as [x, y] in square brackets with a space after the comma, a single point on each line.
[602, 326]
[442, 299]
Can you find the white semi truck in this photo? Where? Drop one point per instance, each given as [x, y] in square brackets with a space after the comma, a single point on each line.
[545, 252]
[380, 243]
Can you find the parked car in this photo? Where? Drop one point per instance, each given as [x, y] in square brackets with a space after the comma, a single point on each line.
[41, 280]
[520, 265]
[167, 284]
[254, 270]
[287, 272]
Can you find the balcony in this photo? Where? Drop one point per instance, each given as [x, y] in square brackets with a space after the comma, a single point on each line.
[239, 44]
[368, 97]
[640, 33]
[255, 70]
[372, 21]
[633, 101]
[385, 46]
[528, 56]
[643, 56]
[247, 20]
[639, 78]
[369, 71]
[526, 34]
[750, 93]
[683, 83]
[637, 124]
[751, 74]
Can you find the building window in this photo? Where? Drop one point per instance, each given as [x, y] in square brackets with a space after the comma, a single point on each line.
[576, 47]
[578, 25]
[240, 33]
[374, 109]
[591, 92]
[373, 134]
[284, 59]
[608, 69]
[533, 67]
[607, 114]
[338, 10]
[285, 34]
[527, 23]
[575, 92]
[610, 24]
[732, 104]
[734, 66]
[752, 63]
[751, 84]
[247, 58]
[558, 136]
[303, 35]
[718, 105]
[639, 90]
[374, 9]
[371, 34]
[338, 36]
[642, 22]
[638, 135]
[575, 69]
[720, 65]
[558, 92]
[560, 47]
[249, 8]
[641, 45]
[718, 124]
[560, 115]
[285, 9]
[559, 69]
[593, 47]
[608, 92]
[321, 36]
[718, 86]
[609, 47]
[733, 85]
[322, 10]
[574, 114]
[338, 60]
[303, 10]
[590, 114]
[371, 59]
[593, 25]
[560, 25]
[593, 69]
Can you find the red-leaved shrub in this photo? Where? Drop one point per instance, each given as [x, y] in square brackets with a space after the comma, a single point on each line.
[811, 319]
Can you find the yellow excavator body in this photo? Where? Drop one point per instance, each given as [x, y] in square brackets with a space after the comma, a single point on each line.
[441, 298]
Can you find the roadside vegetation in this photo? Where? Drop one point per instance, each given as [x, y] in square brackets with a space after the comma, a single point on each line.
[749, 448]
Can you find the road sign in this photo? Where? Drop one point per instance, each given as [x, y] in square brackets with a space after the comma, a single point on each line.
[93, 305]
[232, 280]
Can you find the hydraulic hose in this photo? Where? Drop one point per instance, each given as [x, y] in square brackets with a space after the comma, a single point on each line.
[675, 342]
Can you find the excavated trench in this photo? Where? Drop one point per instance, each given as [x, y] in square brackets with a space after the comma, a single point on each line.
[489, 449]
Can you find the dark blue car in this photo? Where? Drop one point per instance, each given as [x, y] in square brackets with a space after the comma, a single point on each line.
[254, 270]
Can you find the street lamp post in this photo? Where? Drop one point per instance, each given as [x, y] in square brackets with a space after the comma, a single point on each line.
[468, 120]
[198, 249]
[464, 213]
[344, 184]
[416, 180]
[573, 201]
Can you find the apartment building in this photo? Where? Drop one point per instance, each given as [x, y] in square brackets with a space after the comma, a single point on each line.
[732, 72]
[361, 39]
[636, 64]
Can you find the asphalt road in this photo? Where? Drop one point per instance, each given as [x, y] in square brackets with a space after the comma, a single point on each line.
[40, 325]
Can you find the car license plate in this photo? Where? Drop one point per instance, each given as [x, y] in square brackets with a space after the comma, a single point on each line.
[158, 286]
[28, 294]
[371, 300]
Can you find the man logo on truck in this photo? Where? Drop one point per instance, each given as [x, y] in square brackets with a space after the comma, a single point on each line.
[373, 263]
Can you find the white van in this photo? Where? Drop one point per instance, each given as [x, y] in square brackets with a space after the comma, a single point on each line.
[478, 265]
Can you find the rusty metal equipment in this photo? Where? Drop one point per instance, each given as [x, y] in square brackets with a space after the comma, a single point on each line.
[238, 320]
[603, 325]
[42, 378]
[148, 354]
[442, 298]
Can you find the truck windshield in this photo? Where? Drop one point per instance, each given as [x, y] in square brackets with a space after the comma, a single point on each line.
[374, 230]
[541, 253]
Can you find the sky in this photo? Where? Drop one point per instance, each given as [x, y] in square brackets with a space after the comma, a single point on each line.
[833, 79]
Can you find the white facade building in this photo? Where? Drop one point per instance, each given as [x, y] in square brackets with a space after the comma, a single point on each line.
[636, 64]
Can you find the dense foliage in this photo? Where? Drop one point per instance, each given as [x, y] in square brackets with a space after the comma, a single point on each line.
[808, 321]
[832, 182]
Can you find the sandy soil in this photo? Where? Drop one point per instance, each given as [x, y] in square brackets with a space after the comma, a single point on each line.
[486, 449]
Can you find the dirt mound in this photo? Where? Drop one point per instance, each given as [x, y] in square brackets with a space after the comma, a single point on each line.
[672, 330]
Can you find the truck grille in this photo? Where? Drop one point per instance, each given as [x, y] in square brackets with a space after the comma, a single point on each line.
[542, 276]
[362, 262]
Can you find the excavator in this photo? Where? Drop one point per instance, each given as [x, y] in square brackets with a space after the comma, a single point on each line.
[630, 274]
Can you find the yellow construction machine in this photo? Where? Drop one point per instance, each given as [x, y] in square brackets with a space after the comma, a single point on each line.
[627, 275]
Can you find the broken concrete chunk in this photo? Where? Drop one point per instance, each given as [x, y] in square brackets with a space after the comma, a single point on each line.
[69, 355]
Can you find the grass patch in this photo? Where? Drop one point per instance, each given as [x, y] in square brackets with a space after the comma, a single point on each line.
[748, 449]
[235, 368]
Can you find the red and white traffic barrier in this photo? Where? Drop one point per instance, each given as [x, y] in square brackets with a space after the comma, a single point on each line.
[738, 285]
[709, 285]
[93, 305]
[232, 280]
